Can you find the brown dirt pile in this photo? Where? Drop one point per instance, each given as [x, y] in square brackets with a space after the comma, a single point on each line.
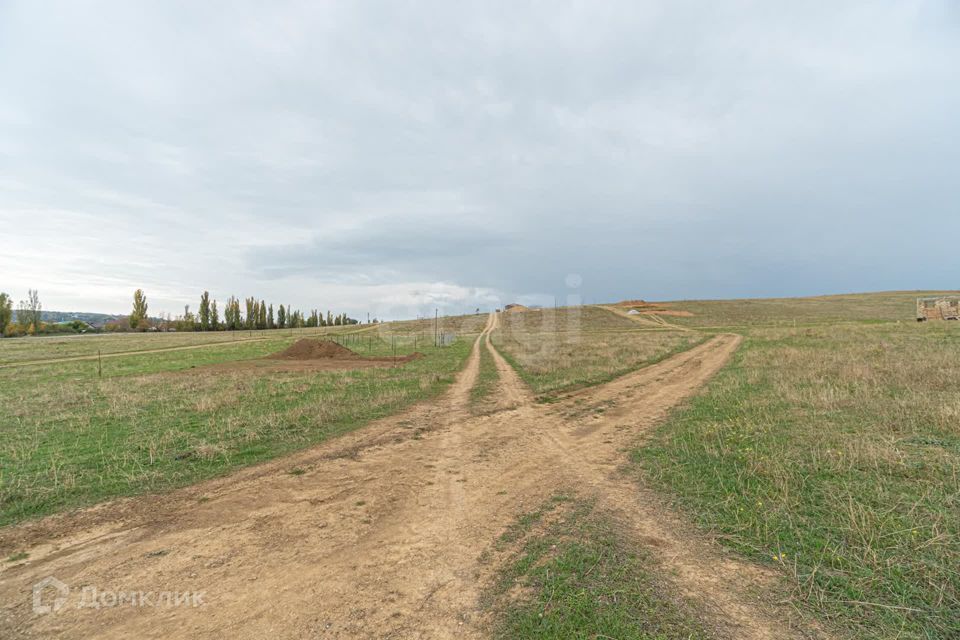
[515, 308]
[307, 349]
[654, 308]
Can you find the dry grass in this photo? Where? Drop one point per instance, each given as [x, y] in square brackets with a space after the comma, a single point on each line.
[53, 347]
[834, 452]
[461, 325]
[556, 350]
[68, 437]
[861, 307]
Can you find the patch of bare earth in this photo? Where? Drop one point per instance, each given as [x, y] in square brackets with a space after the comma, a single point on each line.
[311, 355]
[379, 533]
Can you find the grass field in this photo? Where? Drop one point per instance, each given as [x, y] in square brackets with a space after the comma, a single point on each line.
[69, 438]
[828, 448]
[744, 314]
[56, 347]
[833, 452]
[425, 327]
[567, 348]
[570, 573]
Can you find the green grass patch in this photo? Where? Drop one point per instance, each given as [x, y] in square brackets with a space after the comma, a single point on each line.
[481, 394]
[832, 452]
[574, 575]
[69, 438]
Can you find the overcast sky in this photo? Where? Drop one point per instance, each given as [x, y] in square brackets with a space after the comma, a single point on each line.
[392, 157]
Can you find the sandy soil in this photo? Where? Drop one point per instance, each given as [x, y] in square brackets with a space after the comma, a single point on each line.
[381, 533]
[651, 318]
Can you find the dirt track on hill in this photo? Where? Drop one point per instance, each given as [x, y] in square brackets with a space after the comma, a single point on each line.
[378, 533]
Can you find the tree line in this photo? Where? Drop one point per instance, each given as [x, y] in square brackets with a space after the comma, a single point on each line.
[248, 315]
[27, 322]
[237, 316]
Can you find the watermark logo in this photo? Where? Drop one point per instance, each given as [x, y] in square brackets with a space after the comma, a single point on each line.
[51, 595]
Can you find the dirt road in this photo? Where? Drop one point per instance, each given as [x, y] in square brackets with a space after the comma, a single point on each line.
[378, 533]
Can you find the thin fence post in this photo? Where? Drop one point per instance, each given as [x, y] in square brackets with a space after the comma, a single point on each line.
[99, 364]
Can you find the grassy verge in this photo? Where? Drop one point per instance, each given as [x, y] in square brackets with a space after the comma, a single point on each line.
[481, 394]
[69, 438]
[572, 575]
[834, 452]
[15, 350]
[564, 349]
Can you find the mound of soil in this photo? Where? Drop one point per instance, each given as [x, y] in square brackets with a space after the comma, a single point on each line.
[307, 349]
[654, 308]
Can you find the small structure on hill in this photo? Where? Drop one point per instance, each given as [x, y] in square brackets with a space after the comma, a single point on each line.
[515, 307]
[938, 308]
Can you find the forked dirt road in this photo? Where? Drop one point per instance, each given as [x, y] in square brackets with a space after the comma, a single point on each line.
[380, 534]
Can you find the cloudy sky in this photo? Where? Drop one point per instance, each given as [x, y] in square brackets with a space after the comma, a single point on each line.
[395, 156]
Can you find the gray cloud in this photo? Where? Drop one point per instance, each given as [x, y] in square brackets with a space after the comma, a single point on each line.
[386, 155]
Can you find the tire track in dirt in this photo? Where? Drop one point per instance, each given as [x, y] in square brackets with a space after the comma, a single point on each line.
[648, 320]
[380, 536]
[512, 392]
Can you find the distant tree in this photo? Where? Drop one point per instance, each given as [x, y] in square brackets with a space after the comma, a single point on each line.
[139, 314]
[188, 322]
[34, 299]
[232, 314]
[214, 317]
[237, 315]
[228, 321]
[281, 317]
[6, 312]
[252, 312]
[205, 311]
[329, 318]
[262, 315]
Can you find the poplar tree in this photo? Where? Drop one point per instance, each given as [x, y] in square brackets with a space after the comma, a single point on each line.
[236, 314]
[205, 311]
[228, 314]
[252, 313]
[6, 312]
[281, 317]
[214, 317]
[139, 313]
[270, 323]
